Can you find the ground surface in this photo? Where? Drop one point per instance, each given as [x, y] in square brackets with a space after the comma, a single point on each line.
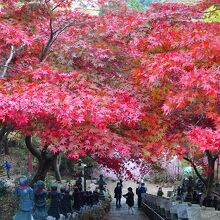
[151, 188]
[122, 213]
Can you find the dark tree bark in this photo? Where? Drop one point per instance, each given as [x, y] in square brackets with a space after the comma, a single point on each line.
[211, 174]
[56, 167]
[196, 170]
[46, 160]
[210, 180]
[3, 130]
[5, 142]
[42, 170]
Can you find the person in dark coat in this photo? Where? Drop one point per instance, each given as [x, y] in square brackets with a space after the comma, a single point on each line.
[160, 192]
[55, 197]
[130, 200]
[139, 191]
[121, 182]
[118, 194]
[65, 203]
[77, 199]
[40, 195]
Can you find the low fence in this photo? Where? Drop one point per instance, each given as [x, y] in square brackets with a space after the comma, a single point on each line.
[150, 212]
[159, 208]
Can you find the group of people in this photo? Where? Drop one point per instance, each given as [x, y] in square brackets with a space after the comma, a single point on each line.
[129, 196]
[60, 200]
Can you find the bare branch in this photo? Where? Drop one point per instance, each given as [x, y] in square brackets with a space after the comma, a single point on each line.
[12, 52]
[54, 35]
[58, 5]
[196, 170]
[49, 42]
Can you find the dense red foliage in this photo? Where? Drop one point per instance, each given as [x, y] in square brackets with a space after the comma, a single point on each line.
[179, 68]
[142, 84]
[57, 84]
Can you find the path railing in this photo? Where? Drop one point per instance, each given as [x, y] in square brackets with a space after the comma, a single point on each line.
[150, 212]
[159, 208]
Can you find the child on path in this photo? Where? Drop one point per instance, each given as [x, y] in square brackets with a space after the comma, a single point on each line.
[130, 200]
[160, 192]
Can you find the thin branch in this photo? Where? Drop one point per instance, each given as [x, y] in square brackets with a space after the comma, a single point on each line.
[196, 170]
[54, 35]
[60, 30]
[207, 12]
[199, 119]
[58, 5]
[49, 42]
[12, 52]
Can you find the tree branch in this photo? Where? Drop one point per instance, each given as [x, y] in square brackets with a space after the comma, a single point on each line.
[58, 5]
[12, 52]
[31, 148]
[196, 170]
[49, 42]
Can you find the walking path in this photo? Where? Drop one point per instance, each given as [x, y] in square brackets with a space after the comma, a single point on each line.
[122, 213]
[151, 188]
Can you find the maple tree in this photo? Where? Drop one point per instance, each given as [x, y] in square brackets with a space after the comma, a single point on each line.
[47, 86]
[179, 71]
[119, 85]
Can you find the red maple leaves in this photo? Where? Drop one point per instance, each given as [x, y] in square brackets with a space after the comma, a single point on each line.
[123, 81]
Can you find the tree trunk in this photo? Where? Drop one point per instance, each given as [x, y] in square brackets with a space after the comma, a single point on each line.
[217, 171]
[56, 168]
[3, 132]
[45, 159]
[211, 174]
[30, 163]
[5, 143]
[43, 168]
[210, 180]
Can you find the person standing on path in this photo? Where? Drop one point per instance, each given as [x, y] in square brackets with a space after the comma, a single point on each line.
[121, 181]
[8, 168]
[139, 191]
[130, 200]
[160, 192]
[118, 195]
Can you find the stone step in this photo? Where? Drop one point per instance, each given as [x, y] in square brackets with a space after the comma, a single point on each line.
[122, 214]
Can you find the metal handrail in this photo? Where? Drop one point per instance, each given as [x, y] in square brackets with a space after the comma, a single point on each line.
[151, 213]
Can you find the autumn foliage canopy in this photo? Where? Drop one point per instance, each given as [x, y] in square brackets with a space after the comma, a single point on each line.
[118, 84]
